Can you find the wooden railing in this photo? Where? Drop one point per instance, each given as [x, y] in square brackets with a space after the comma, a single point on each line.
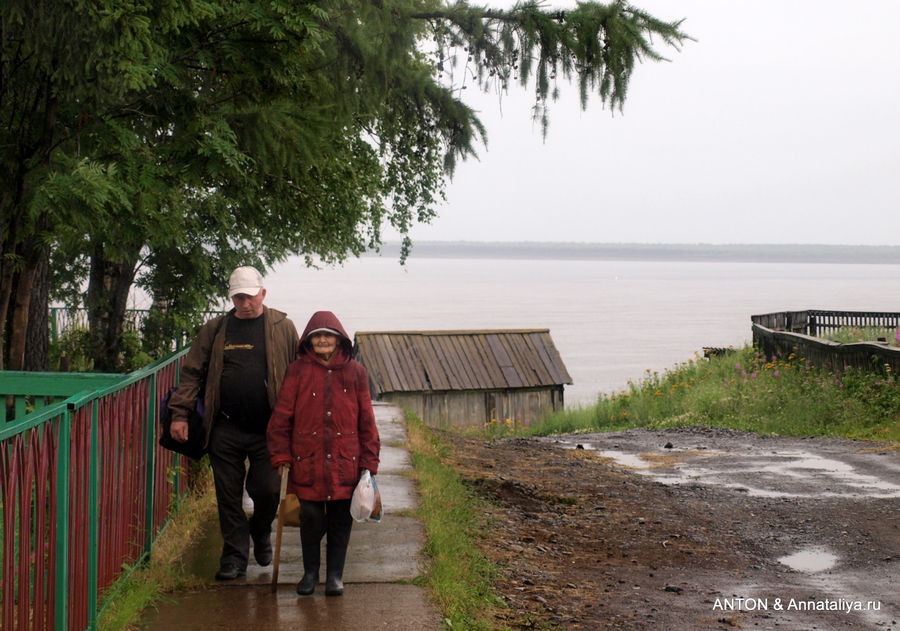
[84, 490]
[818, 323]
[796, 332]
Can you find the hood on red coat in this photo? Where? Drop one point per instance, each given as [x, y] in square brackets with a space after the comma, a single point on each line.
[325, 320]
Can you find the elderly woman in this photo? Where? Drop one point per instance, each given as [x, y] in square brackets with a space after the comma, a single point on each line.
[323, 428]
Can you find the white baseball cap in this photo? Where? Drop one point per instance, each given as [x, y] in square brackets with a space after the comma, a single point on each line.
[245, 280]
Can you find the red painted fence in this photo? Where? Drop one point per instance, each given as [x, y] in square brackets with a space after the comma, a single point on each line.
[85, 488]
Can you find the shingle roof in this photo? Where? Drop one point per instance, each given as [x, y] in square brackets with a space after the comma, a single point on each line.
[422, 361]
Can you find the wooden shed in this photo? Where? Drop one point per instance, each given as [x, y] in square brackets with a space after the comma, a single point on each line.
[465, 378]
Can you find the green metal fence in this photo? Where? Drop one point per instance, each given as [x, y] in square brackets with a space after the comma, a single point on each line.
[63, 319]
[84, 489]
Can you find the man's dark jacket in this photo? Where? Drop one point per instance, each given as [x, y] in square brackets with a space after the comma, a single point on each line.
[208, 349]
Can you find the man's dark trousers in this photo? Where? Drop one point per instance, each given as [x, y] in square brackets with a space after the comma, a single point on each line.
[229, 449]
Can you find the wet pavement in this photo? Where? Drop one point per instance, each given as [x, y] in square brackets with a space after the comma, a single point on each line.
[382, 561]
[759, 466]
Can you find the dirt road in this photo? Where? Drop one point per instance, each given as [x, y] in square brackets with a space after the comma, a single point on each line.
[691, 529]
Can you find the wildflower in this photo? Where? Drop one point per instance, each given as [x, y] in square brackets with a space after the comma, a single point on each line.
[776, 373]
[737, 366]
[753, 375]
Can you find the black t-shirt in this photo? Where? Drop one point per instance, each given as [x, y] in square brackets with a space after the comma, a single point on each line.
[243, 397]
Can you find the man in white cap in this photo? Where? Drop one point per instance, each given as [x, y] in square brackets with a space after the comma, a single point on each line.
[237, 364]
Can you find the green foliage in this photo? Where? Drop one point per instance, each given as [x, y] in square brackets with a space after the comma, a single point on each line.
[132, 348]
[164, 143]
[597, 44]
[749, 391]
[74, 346]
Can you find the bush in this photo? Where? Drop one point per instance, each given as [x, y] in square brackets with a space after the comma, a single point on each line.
[74, 346]
[750, 391]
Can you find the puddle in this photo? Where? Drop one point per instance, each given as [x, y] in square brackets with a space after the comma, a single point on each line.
[632, 461]
[810, 560]
[779, 474]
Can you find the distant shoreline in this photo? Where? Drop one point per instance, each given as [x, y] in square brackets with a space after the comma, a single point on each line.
[701, 252]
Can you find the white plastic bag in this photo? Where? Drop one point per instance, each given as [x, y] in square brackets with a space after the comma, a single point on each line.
[366, 502]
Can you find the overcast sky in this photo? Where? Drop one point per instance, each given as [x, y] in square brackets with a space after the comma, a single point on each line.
[780, 124]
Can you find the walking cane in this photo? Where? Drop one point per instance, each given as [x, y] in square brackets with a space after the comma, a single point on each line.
[280, 527]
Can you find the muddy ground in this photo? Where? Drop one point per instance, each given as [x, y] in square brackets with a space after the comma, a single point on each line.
[690, 529]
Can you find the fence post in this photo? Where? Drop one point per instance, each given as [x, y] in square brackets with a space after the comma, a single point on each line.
[61, 580]
[54, 325]
[93, 518]
[151, 462]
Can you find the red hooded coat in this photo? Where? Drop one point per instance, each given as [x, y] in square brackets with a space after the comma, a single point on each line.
[323, 425]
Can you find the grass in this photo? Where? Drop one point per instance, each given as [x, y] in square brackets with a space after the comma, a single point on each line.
[851, 334]
[459, 576]
[745, 390]
[165, 571]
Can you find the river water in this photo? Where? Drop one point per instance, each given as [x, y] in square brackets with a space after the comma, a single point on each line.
[611, 320]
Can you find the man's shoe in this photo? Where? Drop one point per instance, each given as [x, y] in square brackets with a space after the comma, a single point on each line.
[229, 572]
[262, 552]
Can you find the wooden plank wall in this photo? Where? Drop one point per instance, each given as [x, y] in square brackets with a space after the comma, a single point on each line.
[837, 357]
[477, 408]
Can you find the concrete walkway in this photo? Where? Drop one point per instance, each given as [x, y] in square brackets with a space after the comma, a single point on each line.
[382, 560]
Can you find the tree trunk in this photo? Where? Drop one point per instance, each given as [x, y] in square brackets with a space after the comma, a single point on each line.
[18, 332]
[37, 342]
[7, 284]
[107, 297]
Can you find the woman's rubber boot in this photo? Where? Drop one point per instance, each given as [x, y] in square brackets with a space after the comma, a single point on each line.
[311, 559]
[334, 570]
